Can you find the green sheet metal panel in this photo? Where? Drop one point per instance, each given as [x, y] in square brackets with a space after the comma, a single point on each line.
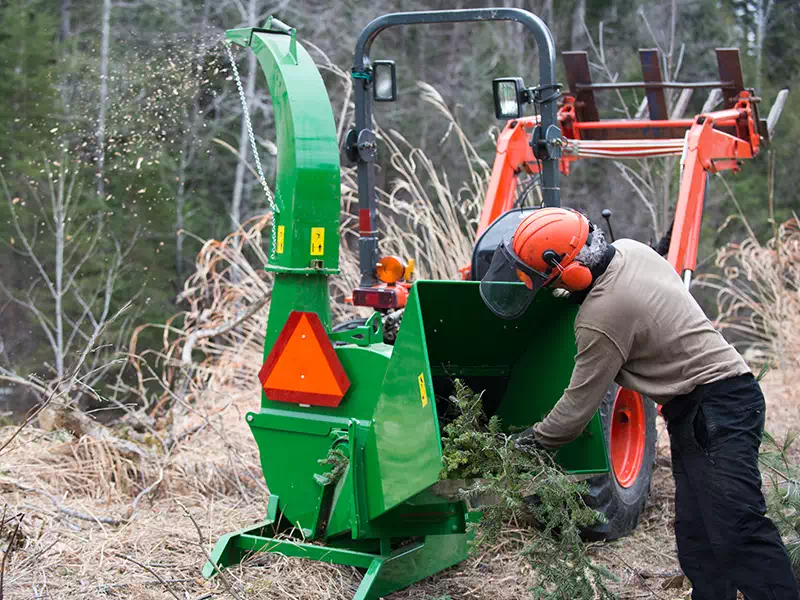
[540, 376]
[291, 439]
[404, 455]
[307, 182]
[524, 365]
[414, 563]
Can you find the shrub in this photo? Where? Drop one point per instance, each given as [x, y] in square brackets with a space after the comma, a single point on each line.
[783, 492]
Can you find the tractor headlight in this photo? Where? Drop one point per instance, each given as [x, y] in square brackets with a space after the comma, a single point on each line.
[384, 81]
[508, 97]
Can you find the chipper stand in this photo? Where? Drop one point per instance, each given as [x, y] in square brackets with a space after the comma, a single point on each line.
[348, 430]
[387, 569]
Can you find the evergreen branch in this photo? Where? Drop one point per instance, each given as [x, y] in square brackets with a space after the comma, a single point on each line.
[530, 491]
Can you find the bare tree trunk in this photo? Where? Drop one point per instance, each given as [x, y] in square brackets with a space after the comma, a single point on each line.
[101, 116]
[187, 152]
[66, 7]
[548, 13]
[763, 13]
[180, 200]
[59, 218]
[578, 20]
[237, 208]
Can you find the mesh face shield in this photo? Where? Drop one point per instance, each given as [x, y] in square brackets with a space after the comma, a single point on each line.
[509, 285]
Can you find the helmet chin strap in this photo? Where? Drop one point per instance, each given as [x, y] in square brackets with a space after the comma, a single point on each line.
[560, 270]
[555, 264]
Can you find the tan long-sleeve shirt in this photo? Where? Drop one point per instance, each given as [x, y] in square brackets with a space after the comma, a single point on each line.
[638, 326]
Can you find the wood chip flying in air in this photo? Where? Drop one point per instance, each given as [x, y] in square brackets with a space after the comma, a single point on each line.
[139, 163]
[15, 201]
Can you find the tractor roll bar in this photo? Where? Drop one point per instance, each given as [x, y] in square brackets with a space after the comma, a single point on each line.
[364, 138]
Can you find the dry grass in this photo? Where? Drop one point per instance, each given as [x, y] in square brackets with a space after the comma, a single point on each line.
[216, 476]
[758, 296]
[215, 472]
[758, 306]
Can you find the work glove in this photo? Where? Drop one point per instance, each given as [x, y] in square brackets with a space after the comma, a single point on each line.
[525, 441]
[560, 293]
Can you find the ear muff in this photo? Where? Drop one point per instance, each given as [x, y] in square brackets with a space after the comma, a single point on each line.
[576, 277]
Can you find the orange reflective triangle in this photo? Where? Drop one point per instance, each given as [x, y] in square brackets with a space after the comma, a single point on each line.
[302, 366]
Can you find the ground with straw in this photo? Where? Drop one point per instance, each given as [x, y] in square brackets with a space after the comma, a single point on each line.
[66, 488]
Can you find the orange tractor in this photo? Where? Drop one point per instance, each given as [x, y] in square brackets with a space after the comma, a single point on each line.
[707, 143]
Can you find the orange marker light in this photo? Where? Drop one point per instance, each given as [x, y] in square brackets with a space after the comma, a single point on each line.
[412, 264]
[525, 279]
[390, 269]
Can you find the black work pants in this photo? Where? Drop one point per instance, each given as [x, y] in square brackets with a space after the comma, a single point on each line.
[724, 540]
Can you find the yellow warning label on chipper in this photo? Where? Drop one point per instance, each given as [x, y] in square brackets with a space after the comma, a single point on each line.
[422, 393]
[279, 242]
[317, 241]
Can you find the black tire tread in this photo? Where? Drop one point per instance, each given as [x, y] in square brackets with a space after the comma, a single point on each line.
[622, 507]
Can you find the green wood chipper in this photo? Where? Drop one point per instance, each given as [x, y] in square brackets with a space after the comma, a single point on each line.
[346, 395]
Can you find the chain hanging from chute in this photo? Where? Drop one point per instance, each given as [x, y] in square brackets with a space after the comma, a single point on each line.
[261, 179]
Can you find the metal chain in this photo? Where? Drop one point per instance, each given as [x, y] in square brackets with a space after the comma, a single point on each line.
[261, 179]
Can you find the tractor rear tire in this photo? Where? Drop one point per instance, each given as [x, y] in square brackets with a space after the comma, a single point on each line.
[622, 505]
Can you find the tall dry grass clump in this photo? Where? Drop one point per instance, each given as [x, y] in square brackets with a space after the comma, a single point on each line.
[758, 296]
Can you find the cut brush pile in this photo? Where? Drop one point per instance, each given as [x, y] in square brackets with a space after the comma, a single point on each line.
[782, 472]
[534, 506]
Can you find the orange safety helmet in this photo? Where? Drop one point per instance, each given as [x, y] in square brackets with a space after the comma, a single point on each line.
[542, 250]
[549, 240]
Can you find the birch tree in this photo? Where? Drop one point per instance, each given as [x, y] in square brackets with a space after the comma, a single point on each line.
[66, 13]
[764, 10]
[250, 15]
[105, 36]
[68, 297]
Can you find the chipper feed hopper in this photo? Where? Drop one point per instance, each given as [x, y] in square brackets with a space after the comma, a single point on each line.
[374, 409]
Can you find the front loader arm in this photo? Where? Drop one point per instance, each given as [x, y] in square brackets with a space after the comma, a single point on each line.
[514, 154]
[708, 150]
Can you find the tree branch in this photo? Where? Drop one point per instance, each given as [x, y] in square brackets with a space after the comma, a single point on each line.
[62, 509]
[202, 545]
[149, 570]
[25, 242]
[195, 336]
